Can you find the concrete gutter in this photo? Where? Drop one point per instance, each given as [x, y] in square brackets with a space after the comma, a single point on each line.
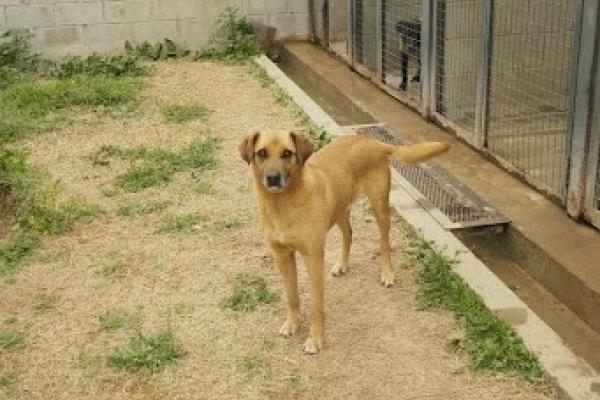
[571, 375]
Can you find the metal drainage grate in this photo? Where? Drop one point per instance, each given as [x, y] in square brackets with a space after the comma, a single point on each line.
[457, 205]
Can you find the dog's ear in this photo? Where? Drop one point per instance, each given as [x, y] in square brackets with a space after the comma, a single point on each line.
[247, 147]
[304, 146]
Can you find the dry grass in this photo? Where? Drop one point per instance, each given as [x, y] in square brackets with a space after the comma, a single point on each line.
[377, 345]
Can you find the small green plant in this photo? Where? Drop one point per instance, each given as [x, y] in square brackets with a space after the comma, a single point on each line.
[148, 353]
[181, 223]
[112, 320]
[7, 379]
[252, 365]
[179, 113]
[12, 339]
[96, 64]
[113, 268]
[86, 360]
[204, 188]
[233, 41]
[13, 250]
[158, 51]
[179, 310]
[295, 381]
[154, 167]
[15, 51]
[228, 224]
[248, 292]
[131, 210]
[492, 344]
[45, 217]
[42, 306]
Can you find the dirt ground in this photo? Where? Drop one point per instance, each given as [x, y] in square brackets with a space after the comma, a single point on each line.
[377, 344]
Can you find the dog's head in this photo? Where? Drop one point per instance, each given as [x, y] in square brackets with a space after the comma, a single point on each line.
[277, 156]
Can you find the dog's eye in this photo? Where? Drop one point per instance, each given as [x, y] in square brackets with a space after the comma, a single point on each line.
[262, 154]
[287, 153]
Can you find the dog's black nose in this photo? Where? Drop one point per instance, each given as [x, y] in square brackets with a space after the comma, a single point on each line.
[273, 179]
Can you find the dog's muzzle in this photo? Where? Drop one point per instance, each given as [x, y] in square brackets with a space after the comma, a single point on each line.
[274, 181]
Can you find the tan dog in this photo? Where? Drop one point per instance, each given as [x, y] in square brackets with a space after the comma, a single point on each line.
[301, 196]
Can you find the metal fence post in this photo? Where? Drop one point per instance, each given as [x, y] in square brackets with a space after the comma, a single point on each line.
[592, 201]
[311, 20]
[483, 74]
[427, 62]
[580, 110]
[379, 40]
[350, 32]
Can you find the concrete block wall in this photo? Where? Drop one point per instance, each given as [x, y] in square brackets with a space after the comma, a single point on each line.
[83, 26]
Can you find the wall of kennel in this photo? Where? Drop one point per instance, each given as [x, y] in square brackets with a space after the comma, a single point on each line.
[517, 79]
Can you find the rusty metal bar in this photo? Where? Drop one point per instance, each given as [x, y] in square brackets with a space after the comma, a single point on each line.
[580, 120]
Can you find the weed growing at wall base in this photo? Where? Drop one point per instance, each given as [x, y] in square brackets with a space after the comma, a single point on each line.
[234, 40]
[491, 343]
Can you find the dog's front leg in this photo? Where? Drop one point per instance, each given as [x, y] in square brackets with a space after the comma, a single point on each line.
[314, 263]
[286, 262]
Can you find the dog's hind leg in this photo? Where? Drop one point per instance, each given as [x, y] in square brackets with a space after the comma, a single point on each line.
[341, 266]
[377, 187]
[286, 262]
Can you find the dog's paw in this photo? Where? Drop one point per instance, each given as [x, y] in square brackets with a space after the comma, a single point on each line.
[339, 269]
[289, 328]
[387, 279]
[313, 345]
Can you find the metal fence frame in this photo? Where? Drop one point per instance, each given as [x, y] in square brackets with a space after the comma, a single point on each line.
[582, 127]
[592, 195]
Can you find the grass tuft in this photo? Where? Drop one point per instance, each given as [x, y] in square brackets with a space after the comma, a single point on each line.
[179, 113]
[42, 306]
[205, 188]
[14, 250]
[491, 343]
[252, 365]
[113, 268]
[112, 320]
[36, 105]
[131, 210]
[153, 167]
[148, 353]
[181, 223]
[248, 292]
[228, 224]
[12, 339]
[7, 379]
[86, 360]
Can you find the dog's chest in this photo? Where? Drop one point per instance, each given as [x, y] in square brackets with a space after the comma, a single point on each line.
[279, 231]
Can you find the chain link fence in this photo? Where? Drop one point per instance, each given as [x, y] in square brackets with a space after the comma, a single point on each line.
[502, 74]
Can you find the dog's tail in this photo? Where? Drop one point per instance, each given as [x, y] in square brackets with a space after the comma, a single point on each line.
[415, 153]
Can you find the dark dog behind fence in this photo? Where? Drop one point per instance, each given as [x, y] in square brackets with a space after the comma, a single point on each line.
[410, 46]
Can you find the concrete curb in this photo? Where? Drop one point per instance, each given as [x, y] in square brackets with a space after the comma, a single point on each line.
[570, 374]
